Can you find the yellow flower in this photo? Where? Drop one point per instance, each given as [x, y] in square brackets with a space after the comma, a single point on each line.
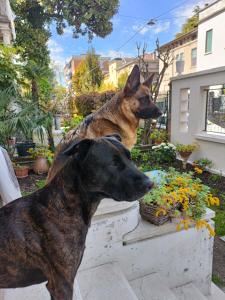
[198, 170]
[178, 227]
[212, 200]
[161, 211]
[202, 223]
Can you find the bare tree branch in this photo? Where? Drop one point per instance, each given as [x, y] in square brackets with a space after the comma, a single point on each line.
[163, 55]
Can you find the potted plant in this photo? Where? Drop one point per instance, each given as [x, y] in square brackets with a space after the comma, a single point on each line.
[158, 136]
[185, 151]
[202, 164]
[164, 153]
[178, 196]
[43, 158]
[21, 171]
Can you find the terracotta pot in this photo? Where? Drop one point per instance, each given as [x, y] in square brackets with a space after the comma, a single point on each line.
[185, 154]
[41, 165]
[158, 142]
[21, 172]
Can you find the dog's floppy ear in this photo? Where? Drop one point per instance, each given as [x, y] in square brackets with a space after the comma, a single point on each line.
[133, 81]
[114, 136]
[149, 80]
[79, 147]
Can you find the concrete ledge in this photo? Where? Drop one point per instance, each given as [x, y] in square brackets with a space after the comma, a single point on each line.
[146, 230]
[112, 207]
[215, 138]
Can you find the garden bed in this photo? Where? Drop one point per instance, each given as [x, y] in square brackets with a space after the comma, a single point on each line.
[31, 183]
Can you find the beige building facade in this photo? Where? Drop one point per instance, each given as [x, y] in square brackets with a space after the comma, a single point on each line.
[119, 66]
[184, 56]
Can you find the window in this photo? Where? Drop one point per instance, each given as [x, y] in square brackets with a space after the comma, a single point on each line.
[180, 57]
[184, 109]
[208, 41]
[215, 110]
[180, 63]
[193, 57]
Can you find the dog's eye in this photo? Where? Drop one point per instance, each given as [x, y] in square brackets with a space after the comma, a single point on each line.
[144, 99]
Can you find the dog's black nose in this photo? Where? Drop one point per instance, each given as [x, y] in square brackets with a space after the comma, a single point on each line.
[147, 184]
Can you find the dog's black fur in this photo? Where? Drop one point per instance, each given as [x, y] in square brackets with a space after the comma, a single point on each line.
[42, 236]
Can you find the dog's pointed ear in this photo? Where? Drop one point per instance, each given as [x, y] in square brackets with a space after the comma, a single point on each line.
[79, 147]
[149, 80]
[133, 81]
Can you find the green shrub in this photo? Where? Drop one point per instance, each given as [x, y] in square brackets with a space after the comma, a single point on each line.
[72, 123]
[203, 163]
[40, 183]
[159, 135]
[135, 154]
[164, 153]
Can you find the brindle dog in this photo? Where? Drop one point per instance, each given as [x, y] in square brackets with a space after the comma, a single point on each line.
[120, 115]
[42, 236]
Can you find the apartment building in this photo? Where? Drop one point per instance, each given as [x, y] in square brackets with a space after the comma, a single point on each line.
[184, 55]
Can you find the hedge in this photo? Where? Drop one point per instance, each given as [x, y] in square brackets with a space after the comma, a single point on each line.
[88, 103]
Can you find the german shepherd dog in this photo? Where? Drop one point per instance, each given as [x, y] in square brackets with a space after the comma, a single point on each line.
[120, 115]
[42, 235]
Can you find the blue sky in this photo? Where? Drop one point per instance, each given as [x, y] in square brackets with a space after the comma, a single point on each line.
[132, 15]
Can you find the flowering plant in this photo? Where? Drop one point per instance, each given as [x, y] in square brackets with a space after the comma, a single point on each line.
[42, 151]
[186, 148]
[184, 196]
[165, 152]
[158, 135]
[203, 163]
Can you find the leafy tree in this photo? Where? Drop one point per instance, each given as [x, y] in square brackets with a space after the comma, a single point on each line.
[10, 66]
[85, 16]
[60, 99]
[122, 80]
[79, 80]
[40, 79]
[191, 22]
[88, 75]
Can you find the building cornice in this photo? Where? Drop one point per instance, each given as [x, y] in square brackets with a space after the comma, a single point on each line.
[216, 13]
[199, 73]
[183, 37]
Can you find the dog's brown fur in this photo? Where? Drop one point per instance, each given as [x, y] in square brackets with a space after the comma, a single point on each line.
[120, 115]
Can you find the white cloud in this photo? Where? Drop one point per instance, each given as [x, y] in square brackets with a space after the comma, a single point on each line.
[141, 28]
[54, 47]
[185, 11]
[113, 53]
[68, 31]
[56, 52]
[161, 27]
[157, 28]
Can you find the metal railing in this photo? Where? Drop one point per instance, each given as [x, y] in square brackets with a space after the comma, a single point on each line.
[215, 111]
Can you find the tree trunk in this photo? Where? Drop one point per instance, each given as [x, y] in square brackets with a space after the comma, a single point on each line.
[34, 90]
[50, 138]
[146, 132]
